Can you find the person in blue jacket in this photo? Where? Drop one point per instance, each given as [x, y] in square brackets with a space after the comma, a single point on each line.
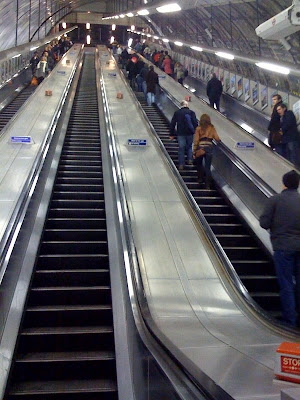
[290, 136]
[186, 122]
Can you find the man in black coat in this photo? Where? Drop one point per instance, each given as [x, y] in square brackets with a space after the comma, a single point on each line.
[151, 82]
[34, 62]
[282, 217]
[274, 125]
[214, 90]
[186, 122]
[290, 135]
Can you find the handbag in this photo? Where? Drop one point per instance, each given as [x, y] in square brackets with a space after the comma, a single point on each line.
[200, 152]
[276, 137]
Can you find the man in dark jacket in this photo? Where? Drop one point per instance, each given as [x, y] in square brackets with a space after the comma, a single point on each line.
[132, 70]
[214, 90]
[151, 82]
[282, 217]
[124, 57]
[186, 122]
[290, 136]
[34, 62]
[274, 125]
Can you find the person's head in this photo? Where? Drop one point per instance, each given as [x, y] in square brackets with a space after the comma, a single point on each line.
[184, 103]
[36, 54]
[46, 54]
[205, 121]
[162, 52]
[214, 75]
[291, 180]
[151, 68]
[276, 98]
[281, 109]
[166, 52]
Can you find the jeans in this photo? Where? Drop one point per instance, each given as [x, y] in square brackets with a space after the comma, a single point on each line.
[144, 87]
[213, 102]
[292, 152]
[207, 157]
[150, 98]
[139, 81]
[185, 145]
[287, 264]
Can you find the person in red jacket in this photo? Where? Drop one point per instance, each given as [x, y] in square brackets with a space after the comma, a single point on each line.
[167, 66]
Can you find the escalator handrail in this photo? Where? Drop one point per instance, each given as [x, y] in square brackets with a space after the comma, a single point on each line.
[271, 322]
[133, 271]
[13, 227]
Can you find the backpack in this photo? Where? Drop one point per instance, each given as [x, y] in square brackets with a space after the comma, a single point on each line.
[189, 127]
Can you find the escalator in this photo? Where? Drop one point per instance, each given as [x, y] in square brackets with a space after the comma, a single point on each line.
[65, 347]
[253, 265]
[12, 108]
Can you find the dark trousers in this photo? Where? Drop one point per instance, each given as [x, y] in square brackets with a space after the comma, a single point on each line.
[207, 158]
[287, 264]
[214, 101]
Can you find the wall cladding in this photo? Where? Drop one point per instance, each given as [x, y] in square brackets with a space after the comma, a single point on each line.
[24, 20]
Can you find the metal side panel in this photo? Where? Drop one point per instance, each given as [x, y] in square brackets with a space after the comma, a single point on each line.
[190, 299]
[266, 164]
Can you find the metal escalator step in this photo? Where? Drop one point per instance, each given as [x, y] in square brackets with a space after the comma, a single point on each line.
[260, 283]
[65, 356]
[69, 387]
[85, 235]
[75, 223]
[72, 261]
[78, 203]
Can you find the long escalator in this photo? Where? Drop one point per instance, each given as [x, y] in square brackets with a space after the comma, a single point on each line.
[254, 267]
[12, 108]
[66, 342]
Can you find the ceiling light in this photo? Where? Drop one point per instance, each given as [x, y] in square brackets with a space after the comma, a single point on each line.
[165, 40]
[143, 12]
[225, 55]
[129, 15]
[64, 25]
[145, 1]
[178, 43]
[88, 25]
[113, 27]
[196, 48]
[169, 8]
[122, 16]
[148, 35]
[155, 37]
[274, 68]
[17, 55]
[112, 39]
[247, 128]
[132, 27]
[117, 17]
[88, 39]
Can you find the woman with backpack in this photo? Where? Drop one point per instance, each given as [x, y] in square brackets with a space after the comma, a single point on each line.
[203, 148]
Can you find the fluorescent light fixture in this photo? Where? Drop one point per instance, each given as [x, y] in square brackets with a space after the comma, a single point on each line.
[169, 8]
[129, 15]
[143, 12]
[116, 17]
[225, 55]
[113, 27]
[186, 86]
[112, 39]
[247, 127]
[33, 48]
[178, 43]
[193, 90]
[88, 39]
[122, 15]
[274, 68]
[196, 48]
[132, 27]
[130, 40]
[148, 35]
[145, 1]
[88, 25]
[64, 25]
[155, 37]
[165, 40]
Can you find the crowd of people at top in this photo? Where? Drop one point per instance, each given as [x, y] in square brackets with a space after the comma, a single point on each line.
[42, 64]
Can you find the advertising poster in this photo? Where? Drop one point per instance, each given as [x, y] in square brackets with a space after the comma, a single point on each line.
[221, 72]
[227, 81]
[247, 89]
[264, 97]
[232, 84]
[240, 86]
[193, 68]
[296, 110]
[255, 94]
[196, 69]
[203, 71]
[207, 73]
[200, 70]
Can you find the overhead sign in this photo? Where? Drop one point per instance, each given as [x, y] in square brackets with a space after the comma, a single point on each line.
[137, 142]
[21, 139]
[245, 145]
